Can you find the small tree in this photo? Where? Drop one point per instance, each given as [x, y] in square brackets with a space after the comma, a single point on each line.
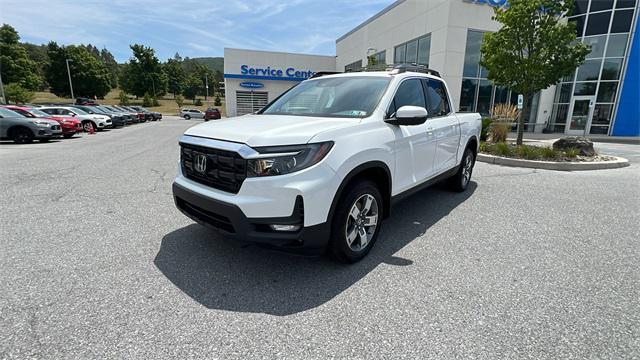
[17, 94]
[147, 101]
[533, 49]
[124, 99]
[179, 101]
[217, 101]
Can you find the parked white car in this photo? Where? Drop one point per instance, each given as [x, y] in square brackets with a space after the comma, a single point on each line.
[191, 114]
[97, 121]
[320, 166]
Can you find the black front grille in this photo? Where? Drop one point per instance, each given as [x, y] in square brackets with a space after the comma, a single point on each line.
[224, 170]
[216, 220]
[55, 127]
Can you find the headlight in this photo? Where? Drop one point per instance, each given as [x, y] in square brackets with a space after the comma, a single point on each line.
[41, 123]
[280, 160]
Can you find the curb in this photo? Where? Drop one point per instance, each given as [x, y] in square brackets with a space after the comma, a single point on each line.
[554, 165]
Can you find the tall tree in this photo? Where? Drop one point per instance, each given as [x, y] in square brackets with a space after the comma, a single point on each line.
[176, 76]
[112, 66]
[533, 50]
[89, 76]
[15, 64]
[193, 87]
[143, 73]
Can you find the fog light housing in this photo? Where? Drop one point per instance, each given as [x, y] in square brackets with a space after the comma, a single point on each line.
[288, 228]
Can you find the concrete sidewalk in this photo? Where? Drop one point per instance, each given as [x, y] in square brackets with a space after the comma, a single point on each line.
[533, 137]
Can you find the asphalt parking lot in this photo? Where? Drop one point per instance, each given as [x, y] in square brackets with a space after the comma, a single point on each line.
[98, 263]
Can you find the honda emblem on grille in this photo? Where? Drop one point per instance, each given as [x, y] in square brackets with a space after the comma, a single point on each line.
[200, 163]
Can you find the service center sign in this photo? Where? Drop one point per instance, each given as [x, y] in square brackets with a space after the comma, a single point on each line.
[272, 72]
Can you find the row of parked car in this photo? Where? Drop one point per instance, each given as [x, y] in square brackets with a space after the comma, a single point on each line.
[25, 123]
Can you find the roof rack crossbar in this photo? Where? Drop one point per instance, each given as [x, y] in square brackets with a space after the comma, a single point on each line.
[415, 68]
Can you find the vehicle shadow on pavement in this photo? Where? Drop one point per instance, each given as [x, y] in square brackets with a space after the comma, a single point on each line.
[224, 274]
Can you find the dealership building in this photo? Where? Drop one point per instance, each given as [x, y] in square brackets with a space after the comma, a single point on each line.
[601, 97]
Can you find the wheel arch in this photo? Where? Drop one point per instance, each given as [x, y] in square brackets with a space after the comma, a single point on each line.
[378, 172]
[473, 144]
[13, 128]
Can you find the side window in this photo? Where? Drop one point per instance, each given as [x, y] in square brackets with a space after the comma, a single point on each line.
[49, 111]
[437, 98]
[409, 92]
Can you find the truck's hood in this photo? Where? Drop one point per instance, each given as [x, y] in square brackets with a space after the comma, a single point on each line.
[265, 130]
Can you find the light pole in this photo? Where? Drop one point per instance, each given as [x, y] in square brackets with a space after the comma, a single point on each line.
[70, 83]
[206, 87]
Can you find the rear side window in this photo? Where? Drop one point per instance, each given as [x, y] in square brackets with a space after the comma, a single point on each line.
[409, 92]
[437, 98]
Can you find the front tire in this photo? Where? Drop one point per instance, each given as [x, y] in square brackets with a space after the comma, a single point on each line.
[68, 136]
[22, 136]
[88, 125]
[460, 181]
[356, 222]
[187, 117]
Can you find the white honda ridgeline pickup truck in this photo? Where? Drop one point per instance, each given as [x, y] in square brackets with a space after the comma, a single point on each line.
[319, 167]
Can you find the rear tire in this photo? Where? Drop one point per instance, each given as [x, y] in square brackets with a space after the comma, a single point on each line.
[460, 181]
[356, 222]
[22, 136]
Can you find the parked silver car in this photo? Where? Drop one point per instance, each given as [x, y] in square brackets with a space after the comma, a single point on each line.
[23, 130]
[191, 114]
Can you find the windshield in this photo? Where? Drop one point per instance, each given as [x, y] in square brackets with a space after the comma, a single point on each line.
[332, 97]
[79, 111]
[104, 109]
[38, 113]
[9, 113]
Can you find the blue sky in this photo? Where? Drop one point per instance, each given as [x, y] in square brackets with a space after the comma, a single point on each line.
[192, 28]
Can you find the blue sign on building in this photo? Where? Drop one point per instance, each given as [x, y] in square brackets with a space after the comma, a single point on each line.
[494, 3]
[271, 73]
[251, 84]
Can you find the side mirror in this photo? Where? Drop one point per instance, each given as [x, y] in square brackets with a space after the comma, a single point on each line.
[409, 115]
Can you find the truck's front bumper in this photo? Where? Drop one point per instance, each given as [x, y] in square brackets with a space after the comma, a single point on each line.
[230, 220]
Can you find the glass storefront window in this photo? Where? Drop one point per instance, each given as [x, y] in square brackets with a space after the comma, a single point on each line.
[598, 23]
[599, 130]
[585, 88]
[607, 91]
[398, 57]
[501, 95]
[601, 114]
[559, 117]
[597, 46]
[625, 4]
[468, 94]
[589, 70]
[622, 21]
[579, 21]
[472, 54]
[598, 5]
[564, 94]
[424, 46]
[412, 52]
[484, 97]
[617, 45]
[580, 6]
[611, 69]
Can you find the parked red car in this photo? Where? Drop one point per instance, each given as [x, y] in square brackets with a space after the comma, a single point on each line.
[69, 125]
[212, 114]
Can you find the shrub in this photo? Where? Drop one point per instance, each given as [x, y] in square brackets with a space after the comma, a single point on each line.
[198, 102]
[502, 149]
[483, 147]
[572, 153]
[147, 101]
[124, 99]
[217, 101]
[486, 123]
[155, 101]
[179, 101]
[502, 118]
[16, 93]
[529, 152]
[550, 153]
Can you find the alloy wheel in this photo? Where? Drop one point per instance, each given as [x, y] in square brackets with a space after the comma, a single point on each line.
[362, 221]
